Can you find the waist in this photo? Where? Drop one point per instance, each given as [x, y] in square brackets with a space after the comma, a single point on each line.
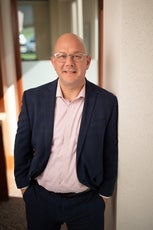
[65, 194]
[63, 187]
[73, 194]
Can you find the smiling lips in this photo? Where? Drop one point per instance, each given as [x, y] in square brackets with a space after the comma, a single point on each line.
[70, 71]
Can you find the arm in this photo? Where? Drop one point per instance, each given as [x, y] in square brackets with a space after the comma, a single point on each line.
[23, 151]
[110, 153]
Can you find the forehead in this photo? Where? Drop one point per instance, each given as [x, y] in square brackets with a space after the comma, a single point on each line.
[69, 44]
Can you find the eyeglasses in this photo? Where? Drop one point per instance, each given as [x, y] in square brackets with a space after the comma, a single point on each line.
[77, 57]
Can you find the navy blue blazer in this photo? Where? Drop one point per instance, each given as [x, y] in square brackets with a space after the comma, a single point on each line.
[97, 147]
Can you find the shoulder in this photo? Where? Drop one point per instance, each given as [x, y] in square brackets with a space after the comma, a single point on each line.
[99, 91]
[41, 89]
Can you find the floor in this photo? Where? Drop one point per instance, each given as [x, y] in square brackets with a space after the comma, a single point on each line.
[12, 212]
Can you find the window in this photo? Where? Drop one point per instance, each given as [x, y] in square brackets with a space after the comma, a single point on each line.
[41, 22]
[27, 32]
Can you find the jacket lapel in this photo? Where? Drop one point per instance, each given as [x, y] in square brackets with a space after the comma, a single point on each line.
[49, 107]
[90, 99]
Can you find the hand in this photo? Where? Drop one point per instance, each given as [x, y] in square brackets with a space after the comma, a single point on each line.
[23, 190]
[105, 199]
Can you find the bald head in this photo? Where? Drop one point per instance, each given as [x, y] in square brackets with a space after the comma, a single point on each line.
[69, 40]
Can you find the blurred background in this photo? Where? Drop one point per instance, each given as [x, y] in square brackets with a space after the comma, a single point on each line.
[119, 37]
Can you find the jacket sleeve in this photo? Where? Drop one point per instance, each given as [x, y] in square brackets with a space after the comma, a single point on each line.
[23, 151]
[110, 153]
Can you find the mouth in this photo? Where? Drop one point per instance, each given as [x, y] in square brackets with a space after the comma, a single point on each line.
[70, 71]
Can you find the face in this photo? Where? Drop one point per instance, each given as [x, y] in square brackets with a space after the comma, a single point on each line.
[70, 69]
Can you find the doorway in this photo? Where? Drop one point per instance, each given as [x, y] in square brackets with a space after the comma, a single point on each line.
[41, 23]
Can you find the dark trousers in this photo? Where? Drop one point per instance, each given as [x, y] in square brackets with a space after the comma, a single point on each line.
[48, 211]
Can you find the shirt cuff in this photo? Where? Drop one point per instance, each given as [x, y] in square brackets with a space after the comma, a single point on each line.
[24, 187]
[104, 197]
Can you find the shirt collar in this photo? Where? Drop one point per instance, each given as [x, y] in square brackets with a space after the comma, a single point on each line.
[59, 92]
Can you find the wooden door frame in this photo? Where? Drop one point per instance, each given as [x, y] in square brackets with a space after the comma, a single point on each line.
[3, 176]
[1, 67]
[14, 16]
[100, 33]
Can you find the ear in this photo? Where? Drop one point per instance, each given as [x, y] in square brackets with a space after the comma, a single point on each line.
[52, 60]
[88, 61]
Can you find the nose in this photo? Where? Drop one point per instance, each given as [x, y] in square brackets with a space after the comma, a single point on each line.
[69, 60]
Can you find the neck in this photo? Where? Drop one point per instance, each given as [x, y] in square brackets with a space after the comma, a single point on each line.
[70, 93]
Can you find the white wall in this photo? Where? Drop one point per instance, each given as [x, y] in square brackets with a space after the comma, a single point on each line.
[128, 47]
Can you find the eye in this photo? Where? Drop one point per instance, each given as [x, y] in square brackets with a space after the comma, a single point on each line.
[78, 56]
[62, 56]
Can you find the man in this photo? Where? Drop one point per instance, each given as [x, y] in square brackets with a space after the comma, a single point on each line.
[66, 145]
